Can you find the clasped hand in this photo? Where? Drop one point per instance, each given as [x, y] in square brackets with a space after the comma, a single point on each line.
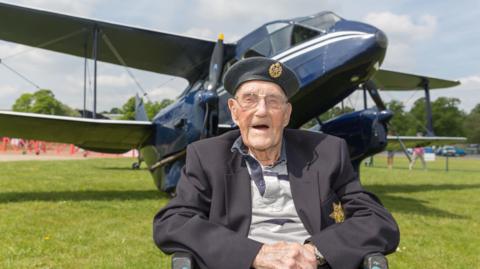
[283, 255]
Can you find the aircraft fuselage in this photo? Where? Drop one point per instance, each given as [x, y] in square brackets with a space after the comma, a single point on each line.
[330, 56]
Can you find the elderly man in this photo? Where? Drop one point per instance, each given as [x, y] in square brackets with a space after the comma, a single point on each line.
[270, 197]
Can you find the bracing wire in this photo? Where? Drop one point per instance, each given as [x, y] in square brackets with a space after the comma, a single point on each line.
[47, 43]
[122, 61]
[19, 74]
[41, 45]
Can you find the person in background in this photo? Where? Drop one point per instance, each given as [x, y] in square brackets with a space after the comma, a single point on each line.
[418, 153]
[390, 155]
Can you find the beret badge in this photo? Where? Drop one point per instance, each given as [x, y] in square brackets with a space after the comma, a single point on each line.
[275, 70]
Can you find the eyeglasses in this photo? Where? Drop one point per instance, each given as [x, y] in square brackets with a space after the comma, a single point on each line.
[251, 100]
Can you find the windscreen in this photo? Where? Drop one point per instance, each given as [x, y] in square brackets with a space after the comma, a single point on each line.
[282, 39]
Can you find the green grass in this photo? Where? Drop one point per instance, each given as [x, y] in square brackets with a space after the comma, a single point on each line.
[438, 212]
[78, 214]
[98, 213]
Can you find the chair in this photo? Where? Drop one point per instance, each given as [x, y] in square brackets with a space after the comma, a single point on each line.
[184, 260]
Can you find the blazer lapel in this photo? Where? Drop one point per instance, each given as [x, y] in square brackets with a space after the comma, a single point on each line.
[238, 197]
[304, 184]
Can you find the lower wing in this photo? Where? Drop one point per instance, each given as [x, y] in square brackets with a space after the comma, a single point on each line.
[394, 142]
[397, 81]
[109, 136]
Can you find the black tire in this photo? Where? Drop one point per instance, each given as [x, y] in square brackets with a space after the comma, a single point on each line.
[135, 166]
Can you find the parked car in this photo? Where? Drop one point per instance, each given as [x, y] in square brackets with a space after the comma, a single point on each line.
[459, 152]
[446, 151]
[428, 150]
[450, 151]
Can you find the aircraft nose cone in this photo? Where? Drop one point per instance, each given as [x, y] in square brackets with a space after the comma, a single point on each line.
[382, 39]
[385, 116]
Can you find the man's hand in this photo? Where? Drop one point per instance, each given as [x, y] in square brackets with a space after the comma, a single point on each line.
[284, 255]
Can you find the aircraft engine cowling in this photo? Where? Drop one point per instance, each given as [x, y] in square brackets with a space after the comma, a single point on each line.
[364, 131]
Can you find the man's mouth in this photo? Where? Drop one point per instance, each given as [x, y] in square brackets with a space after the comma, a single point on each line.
[260, 127]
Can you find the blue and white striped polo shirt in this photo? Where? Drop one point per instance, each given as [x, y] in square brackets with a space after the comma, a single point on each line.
[274, 217]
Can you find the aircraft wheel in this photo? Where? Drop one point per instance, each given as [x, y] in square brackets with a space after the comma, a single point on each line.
[135, 166]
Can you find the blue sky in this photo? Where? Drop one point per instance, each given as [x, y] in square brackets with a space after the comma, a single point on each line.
[435, 38]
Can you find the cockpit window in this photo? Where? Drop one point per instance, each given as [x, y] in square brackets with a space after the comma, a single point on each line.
[322, 21]
[273, 27]
[287, 36]
[301, 34]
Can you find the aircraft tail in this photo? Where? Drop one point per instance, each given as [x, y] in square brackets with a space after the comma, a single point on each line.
[140, 113]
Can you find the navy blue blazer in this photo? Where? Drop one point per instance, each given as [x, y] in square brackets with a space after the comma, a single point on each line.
[210, 216]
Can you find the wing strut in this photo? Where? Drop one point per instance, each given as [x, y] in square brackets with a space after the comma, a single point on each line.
[96, 31]
[428, 107]
[85, 46]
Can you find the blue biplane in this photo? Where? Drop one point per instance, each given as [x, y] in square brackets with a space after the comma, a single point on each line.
[331, 56]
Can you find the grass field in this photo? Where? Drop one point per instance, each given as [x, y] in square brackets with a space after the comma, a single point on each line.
[98, 214]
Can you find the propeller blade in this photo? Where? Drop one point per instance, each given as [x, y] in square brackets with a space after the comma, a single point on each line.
[140, 113]
[216, 65]
[371, 87]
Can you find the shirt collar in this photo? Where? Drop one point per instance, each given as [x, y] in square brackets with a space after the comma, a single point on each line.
[239, 146]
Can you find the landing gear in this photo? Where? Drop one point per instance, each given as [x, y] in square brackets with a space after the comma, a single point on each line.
[135, 165]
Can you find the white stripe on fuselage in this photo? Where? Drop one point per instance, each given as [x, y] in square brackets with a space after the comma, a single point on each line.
[318, 45]
[317, 40]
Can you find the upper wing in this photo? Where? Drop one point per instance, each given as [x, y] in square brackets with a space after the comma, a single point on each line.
[99, 135]
[139, 48]
[396, 81]
[421, 141]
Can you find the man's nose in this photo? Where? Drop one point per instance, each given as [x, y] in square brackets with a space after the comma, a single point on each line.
[261, 108]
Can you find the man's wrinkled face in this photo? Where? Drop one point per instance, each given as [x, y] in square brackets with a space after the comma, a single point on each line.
[261, 111]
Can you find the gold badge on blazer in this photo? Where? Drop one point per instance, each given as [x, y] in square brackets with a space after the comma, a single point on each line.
[338, 215]
[275, 70]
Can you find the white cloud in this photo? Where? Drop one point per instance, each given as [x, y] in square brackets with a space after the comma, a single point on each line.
[403, 32]
[471, 82]
[200, 32]
[9, 52]
[6, 90]
[468, 92]
[163, 92]
[404, 25]
[122, 80]
[81, 8]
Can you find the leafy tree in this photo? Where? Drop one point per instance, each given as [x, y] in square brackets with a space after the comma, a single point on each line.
[128, 109]
[151, 108]
[335, 112]
[43, 102]
[472, 125]
[401, 120]
[447, 117]
[23, 103]
[115, 110]
[329, 114]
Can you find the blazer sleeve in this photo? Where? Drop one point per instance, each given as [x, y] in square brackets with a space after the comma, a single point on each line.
[368, 226]
[183, 224]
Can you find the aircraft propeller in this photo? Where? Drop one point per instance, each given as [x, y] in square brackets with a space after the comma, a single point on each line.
[210, 96]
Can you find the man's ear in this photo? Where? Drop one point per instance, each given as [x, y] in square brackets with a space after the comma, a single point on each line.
[287, 114]
[233, 110]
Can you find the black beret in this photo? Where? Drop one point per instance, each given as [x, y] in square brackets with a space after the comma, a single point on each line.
[261, 68]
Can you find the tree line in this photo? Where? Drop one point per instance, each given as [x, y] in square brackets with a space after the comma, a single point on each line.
[43, 101]
[448, 118]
